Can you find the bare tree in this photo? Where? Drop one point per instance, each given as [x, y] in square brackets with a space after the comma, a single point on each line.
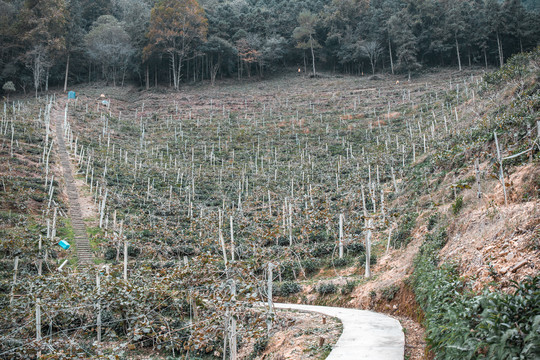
[175, 28]
[371, 49]
[38, 62]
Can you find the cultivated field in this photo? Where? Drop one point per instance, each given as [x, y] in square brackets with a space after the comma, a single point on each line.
[193, 199]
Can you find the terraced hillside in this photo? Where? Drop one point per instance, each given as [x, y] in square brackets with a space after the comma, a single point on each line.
[191, 198]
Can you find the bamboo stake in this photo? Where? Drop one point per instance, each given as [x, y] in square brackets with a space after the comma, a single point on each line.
[388, 242]
[125, 259]
[269, 282]
[233, 346]
[62, 266]
[99, 309]
[232, 238]
[15, 268]
[477, 172]
[501, 172]
[221, 241]
[340, 236]
[38, 319]
[368, 249]
[40, 260]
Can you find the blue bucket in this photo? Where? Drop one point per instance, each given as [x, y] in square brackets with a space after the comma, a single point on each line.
[72, 95]
[64, 244]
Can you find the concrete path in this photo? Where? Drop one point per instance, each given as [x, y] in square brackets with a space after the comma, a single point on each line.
[84, 253]
[366, 334]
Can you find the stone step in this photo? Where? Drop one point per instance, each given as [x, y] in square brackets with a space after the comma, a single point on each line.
[84, 251]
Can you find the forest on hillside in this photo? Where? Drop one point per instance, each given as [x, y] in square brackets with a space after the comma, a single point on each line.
[169, 42]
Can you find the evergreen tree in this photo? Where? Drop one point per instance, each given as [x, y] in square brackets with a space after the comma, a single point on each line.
[43, 25]
[304, 34]
[134, 16]
[109, 45]
[456, 24]
[400, 30]
[496, 25]
[218, 50]
[43, 41]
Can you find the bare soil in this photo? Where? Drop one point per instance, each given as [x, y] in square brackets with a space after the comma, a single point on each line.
[299, 336]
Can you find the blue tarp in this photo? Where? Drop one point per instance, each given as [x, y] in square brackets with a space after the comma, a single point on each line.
[72, 95]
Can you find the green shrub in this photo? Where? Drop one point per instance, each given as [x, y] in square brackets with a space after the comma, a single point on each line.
[432, 221]
[319, 236]
[327, 288]
[348, 287]
[310, 266]
[515, 67]
[403, 234]
[322, 250]
[110, 254]
[283, 241]
[133, 251]
[434, 242]
[183, 250]
[457, 205]
[339, 263]
[463, 325]
[258, 348]
[355, 248]
[362, 259]
[390, 292]
[288, 288]
[289, 269]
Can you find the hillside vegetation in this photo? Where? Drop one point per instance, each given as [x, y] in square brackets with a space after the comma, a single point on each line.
[206, 190]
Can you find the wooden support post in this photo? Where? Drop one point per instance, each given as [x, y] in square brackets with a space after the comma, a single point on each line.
[38, 319]
[102, 209]
[15, 268]
[125, 259]
[40, 259]
[99, 309]
[501, 172]
[63, 264]
[290, 225]
[233, 345]
[270, 277]
[389, 238]
[382, 206]
[232, 238]
[477, 171]
[221, 240]
[368, 249]
[269, 205]
[340, 236]
[394, 179]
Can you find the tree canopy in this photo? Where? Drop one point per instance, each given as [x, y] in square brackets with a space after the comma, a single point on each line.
[178, 41]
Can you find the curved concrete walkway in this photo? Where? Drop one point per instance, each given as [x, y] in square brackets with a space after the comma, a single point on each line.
[366, 334]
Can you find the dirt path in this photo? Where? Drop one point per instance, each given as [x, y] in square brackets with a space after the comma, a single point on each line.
[366, 334]
[84, 253]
